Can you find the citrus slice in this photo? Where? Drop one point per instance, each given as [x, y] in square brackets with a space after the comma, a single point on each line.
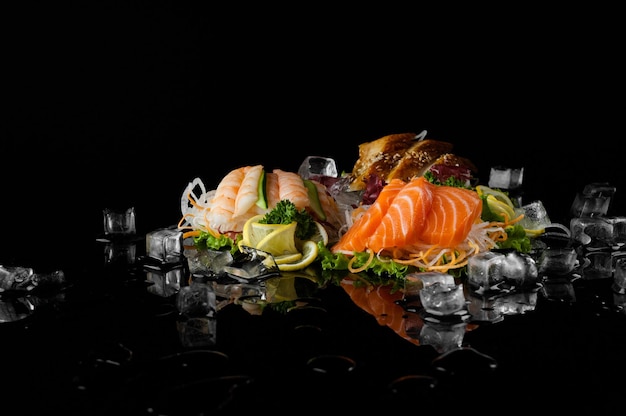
[496, 193]
[280, 241]
[309, 254]
[320, 235]
[500, 208]
[254, 231]
[288, 258]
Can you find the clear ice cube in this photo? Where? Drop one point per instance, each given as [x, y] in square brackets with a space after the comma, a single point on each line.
[591, 230]
[519, 268]
[119, 222]
[506, 178]
[590, 205]
[208, 261]
[484, 270]
[165, 245]
[599, 189]
[315, 166]
[442, 299]
[535, 216]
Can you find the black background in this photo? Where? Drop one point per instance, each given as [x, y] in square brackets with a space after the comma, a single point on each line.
[119, 106]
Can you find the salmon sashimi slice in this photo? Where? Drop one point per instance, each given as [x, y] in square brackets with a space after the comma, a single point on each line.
[454, 211]
[355, 239]
[406, 217]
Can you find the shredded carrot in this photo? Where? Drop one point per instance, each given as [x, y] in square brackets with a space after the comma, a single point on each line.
[192, 233]
[362, 268]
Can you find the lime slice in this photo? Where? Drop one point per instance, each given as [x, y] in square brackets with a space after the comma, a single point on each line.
[309, 254]
[496, 193]
[280, 241]
[500, 208]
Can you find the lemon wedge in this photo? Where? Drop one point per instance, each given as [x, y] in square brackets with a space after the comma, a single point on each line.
[309, 254]
[254, 231]
[280, 241]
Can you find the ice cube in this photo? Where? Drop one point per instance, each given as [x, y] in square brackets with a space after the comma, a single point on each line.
[618, 224]
[208, 261]
[591, 230]
[519, 268]
[535, 216]
[119, 222]
[599, 189]
[442, 299]
[506, 178]
[484, 270]
[165, 245]
[590, 205]
[315, 166]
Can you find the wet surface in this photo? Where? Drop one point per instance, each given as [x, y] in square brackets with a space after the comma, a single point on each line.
[108, 341]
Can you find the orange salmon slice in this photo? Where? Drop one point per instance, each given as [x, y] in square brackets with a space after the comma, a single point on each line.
[454, 211]
[355, 238]
[405, 218]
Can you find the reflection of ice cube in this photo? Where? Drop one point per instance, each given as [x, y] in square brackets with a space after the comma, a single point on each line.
[119, 222]
[481, 309]
[442, 336]
[516, 303]
[560, 289]
[315, 166]
[484, 270]
[588, 230]
[598, 265]
[196, 300]
[506, 178]
[589, 206]
[165, 244]
[619, 276]
[442, 299]
[535, 216]
[120, 253]
[557, 261]
[165, 282]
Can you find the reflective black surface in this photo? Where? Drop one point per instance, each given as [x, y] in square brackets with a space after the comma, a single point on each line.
[122, 108]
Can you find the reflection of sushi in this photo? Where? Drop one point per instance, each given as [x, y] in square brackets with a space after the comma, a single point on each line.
[421, 224]
[381, 303]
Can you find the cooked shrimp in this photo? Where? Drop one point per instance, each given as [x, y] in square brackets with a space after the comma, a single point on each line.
[271, 189]
[223, 203]
[248, 192]
[291, 187]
